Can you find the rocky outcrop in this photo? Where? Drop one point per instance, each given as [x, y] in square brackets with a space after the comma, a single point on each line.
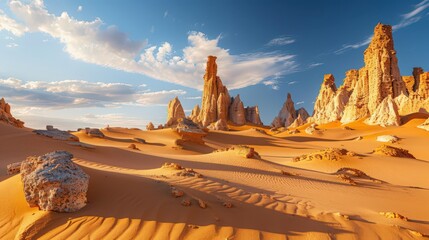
[237, 114]
[189, 131]
[423, 86]
[379, 78]
[195, 113]
[175, 112]
[150, 126]
[301, 119]
[252, 115]
[386, 114]
[94, 132]
[53, 182]
[286, 115]
[6, 115]
[212, 95]
[219, 125]
[57, 134]
[417, 71]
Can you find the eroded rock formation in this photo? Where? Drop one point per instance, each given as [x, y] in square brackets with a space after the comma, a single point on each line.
[57, 134]
[6, 115]
[252, 115]
[53, 182]
[195, 113]
[386, 114]
[237, 114]
[175, 112]
[286, 115]
[214, 92]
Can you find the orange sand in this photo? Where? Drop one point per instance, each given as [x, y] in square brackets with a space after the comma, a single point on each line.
[130, 195]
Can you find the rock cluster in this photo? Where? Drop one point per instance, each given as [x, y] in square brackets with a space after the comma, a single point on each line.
[377, 90]
[57, 134]
[53, 182]
[6, 115]
[393, 151]
[217, 107]
[331, 154]
[189, 131]
[288, 116]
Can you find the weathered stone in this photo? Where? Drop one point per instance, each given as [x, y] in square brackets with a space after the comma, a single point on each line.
[219, 125]
[150, 126]
[190, 131]
[6, 115]
[236, 111]
[53, 182]
[386, 114]
[94, 132]
[424, 125]
[175, 111]
[416, 74]
[195, 113]
[286, 115]
[57, 134]
[301, 119]
[387, 138]
[252, 115]
[423, 88]
[13, 168]
[213, 88]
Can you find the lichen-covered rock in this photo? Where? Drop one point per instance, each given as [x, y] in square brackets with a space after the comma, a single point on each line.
[175, 112]
[6, 115]
[57, 134]
[386, 114]
[53, 182]
[237, 114]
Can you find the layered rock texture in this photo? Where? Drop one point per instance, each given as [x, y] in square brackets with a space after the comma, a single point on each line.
[175, 112]
[53, 182]
[252, 115]
[57, 134]
[6, 115]
[288, 116]
[377, 90]
[236, 111]
[424, 125]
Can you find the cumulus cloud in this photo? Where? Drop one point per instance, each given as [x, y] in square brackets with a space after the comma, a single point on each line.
[9, 24]
[280, 41]
[79, 8]
[92, 42]
[300, 102]
[272, 83]
[407, 19]
[292, 82]
[193, 98]
[78, 94]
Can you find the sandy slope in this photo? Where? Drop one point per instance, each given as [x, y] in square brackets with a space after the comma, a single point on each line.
[130, 194]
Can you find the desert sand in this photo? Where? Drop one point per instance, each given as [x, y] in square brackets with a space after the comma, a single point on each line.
[274, 197]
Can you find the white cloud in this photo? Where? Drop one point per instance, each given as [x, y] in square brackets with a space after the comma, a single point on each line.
[193, 98]
[79, 8]
[292, 82]
[12, 45]
[280, 41]
[406, 19]
[93, 43]
[165, 13]
[300, 102]
[78, 94]
[158, 98]
[315, 65]
[9, 24]
[272, 83]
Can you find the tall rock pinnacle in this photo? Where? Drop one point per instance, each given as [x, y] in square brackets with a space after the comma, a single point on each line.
[379, 78]
[213, 108]
[6, 115]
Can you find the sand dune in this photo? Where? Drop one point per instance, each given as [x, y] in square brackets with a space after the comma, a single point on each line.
[271, 198]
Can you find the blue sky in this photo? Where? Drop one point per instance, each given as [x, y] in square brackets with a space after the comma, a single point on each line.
[91, 63]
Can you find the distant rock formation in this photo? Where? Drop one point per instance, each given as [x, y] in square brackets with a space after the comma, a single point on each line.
[57, 134]
[215, 96]
[53, 182]
[237, 114]
[379, 78]
[6, 115]
[252, 115]
[288, 116]
[376, 91]
[175, 112]
[150, 126]
[195, 113]
[386, 114]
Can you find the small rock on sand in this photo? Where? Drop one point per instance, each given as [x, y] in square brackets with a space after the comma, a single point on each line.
[387, 138]
[393, 215]
[186, 202]
[393, 151]
[13, 168]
